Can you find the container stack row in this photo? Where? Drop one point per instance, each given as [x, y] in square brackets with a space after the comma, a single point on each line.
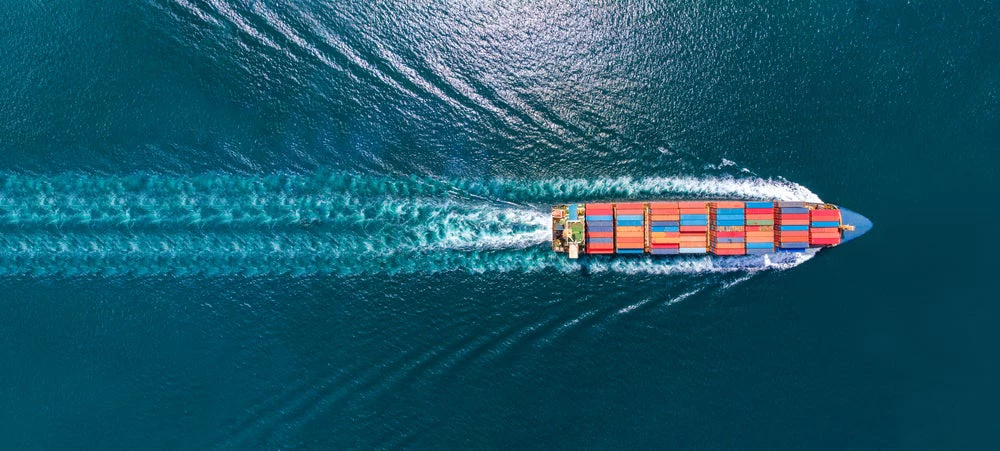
[630, 230]
[693, 227]
[600, 229]
[760, 227]
[664, 228]
[792, 221]
[727, 230]
[824, 227]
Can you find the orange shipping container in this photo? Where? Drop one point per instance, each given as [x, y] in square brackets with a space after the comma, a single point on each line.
[692, 204]
[659, 217]
[630, 228]
[728, 204]
[665, 234]
[632, 234]
[793, 221]
[663, 205]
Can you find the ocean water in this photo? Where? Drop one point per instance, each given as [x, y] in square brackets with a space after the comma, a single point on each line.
[323, 225]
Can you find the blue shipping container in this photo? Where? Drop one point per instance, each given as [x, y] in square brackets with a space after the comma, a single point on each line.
[693, 250]
[793, 228]
[630, 217]
[730, 223]
[694, 222]
[599, 223]
[630, 223]
[704, 217]
[794, 210]
[759, 251]
[791, 204]
[760, 245]
[793, 245]
[600, 229]
[666, 223]
[599, 240]
[826, 224]
[656, 251]
[760, 204]
[729, 211]
[729, 240]
[629, 251]
[599, 217]
[729, 217]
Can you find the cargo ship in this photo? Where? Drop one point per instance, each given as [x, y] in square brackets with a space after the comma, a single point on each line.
[720, 227]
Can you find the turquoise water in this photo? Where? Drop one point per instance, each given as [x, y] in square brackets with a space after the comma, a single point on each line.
[312, 225]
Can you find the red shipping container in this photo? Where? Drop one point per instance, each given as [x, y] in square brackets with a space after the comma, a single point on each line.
[760, 211]
[694, 228]
[824, 230]
[665, 246]
[663, 205]
[787, 216]
[804, 222]
[630, 205]
[825, 213]
[729, 251]
[825, 241]
[600, 234]
[729, 234]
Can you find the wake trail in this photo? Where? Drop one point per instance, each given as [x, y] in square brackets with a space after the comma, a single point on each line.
[330, 223]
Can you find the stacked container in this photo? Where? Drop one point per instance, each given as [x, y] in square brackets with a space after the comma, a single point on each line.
[793, 226]
[727, 233]
[630, 230]
[824, 227]
[600, 229]
[760, 227]
[664, 228]
[693, 227]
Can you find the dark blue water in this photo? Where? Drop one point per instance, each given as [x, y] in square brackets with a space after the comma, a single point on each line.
[311, 225]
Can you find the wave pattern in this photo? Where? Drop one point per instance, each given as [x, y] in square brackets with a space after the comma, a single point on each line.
[217, 224]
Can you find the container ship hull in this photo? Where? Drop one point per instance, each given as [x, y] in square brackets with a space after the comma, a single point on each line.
[721, 227]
